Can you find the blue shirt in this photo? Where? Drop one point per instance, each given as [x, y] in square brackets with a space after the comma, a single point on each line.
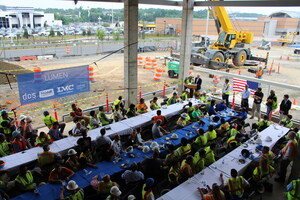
[243, 115]
[220, 107]
[290, 186]
[211, 110]
[55, 134]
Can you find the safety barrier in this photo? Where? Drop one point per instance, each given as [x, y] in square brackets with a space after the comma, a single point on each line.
[158, 74]
[27, 58]
[68, 50]
[154, 63]
[47, 57]
[140, 61]
[148, 64]
[91, 74]
[37, 75]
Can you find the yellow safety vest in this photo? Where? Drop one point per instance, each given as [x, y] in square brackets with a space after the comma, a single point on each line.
[295, 193]
[49, 120]
[155, 106]
[105, 187]
[211, 135]
[28, 184]
[79, 195]
[102, 120]
[269, 156]
[201, 140]
[183, 150]
[236, 185]
[174, 172]
[146, 194]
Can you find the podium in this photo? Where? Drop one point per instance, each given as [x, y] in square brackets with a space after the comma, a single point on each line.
[191, 86]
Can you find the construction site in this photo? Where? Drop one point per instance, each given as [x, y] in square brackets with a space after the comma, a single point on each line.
[135, 68]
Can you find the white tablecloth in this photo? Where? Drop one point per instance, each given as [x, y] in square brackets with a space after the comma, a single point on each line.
[188, 189]
[124, 127]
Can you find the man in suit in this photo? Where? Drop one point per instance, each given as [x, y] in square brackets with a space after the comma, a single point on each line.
[198, 81]
[285, 106]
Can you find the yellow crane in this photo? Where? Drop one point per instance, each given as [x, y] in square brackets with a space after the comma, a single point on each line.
[231, 44]
[289, 38]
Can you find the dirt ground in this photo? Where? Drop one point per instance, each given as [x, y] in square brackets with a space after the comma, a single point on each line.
[109, 78]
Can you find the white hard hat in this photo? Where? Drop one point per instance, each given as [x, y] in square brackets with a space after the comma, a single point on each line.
[72, 152]
[28, 119]
[268, 139]
[187, 90]
[208, 99]
[146, 149]
[22, 117]
[204, 92]
[184, 115]
[131, 197]
[153, 144]
[258, 141]
[156, 148]
[72, 185]
[114, 190]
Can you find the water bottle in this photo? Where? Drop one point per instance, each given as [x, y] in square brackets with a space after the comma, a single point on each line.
[223, 162]
[36, 190]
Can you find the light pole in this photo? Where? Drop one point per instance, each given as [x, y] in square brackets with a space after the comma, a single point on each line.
[99, 18]
[9, 24]
[165, 27]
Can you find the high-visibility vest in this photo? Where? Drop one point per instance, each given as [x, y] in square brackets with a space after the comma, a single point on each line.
[293, 145]
[259, 174]
[210, 156]
[4, 148]
[211, 135]
[155, 106]
[274, 104]
[259, 73]
[49, 120]
[171, 100]
[231, 140]
[21, 144]
[201, 140]
[45, 158]
[236, 185]
[157, 117]
[146, 194]
[185, 149]
[196, 114]
[287, 123]
[226, 87]
[203, 98]
[295, 193]
[102, 120]
[139, 108]
[116, 102]
[88, 157]
[173, 172]
[225, 126]
[184, 96]
[187, 80]
[268, 156]
[91, 124]
[198, 162]
[233, 132]
[183, 165]
[105, 187]
[79, 195]
[28, 184]
[183, 121]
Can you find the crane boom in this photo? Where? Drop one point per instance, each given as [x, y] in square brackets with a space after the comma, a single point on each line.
[223, 18]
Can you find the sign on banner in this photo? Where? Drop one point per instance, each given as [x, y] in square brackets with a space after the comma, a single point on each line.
[45, 85]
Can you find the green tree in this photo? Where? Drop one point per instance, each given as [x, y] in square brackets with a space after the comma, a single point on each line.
[105, 25]
[84, 33]
[116, 34]
[89, 32]
[25, 34]
[100, 34]
[58, 33]
[52, 33]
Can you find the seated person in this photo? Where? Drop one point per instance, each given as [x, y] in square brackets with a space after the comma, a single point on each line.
[74, 192]
[157, 130]
[185, 94]
[236, 185]
[118, 115]
[104, 186]
[174, 173]
[183, 120]
[242, 114]
[19, 143]
[54, 132]
[79, 129]
[211, 108]
[197, 114]
[47, 157]
[107, 153]
[173, 99]
[116, 144]
[161, 117]
[264, 153]
[84, 142]
[133, 139]
[172, 156]
[49, 120]
[7, 125]
[211, 133]
[233, 131]
[201, 140]
[221, 106]
[154, 105]
[265, 123]
[197, 94]
[87, 154]
[60, 174]
[203, 96]
[223, 128]
[30, 133]
[186, 168]
[199, 161]
[152, 166]
[263, 172]
[94, 121]
[77, 115]
[142, 107]
[25, 180]
[234, 141]
[210, 155]
[102, 117]
[214, 193]
[5, 146]
[43, 139]
[132, 175]
[287, 121]
[131, 112]
[73, 162]
[185, 147]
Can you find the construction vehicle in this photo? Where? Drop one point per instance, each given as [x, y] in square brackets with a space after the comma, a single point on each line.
[265, 45]
[287, 38]
[230, 45]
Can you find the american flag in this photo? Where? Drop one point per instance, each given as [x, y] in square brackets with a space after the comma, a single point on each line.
[239, 85]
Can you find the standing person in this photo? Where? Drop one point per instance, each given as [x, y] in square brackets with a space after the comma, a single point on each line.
[198, 81]
[284, 107]
[259, 72]
[289, 154]
[245, 98]
[271, 103]
[226, 92]
[77, 115]
[7, 125]
[102, 117]
[142, 107]
[258, 96]
[49, 120]
[154, 105]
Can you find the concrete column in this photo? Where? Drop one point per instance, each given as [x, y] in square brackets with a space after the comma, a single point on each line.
[186, 39]
[31, 20]
[130, 52]
[20, 20]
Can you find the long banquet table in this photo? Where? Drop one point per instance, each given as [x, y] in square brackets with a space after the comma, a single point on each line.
[123, 128]
[208, 176]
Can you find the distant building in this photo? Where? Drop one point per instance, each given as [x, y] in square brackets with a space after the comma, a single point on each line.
[19, 17]
[147, 26]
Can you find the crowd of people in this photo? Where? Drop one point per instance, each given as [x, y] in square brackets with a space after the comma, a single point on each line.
[142, 180]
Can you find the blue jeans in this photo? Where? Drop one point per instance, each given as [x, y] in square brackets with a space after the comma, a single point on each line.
[269, 110]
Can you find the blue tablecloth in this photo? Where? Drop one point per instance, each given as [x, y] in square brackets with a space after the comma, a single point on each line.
[52, 191]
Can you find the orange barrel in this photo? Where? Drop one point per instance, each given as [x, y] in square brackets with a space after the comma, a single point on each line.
[154, 63]
[140, 61]
[148, 64]
[91, 74]
[158, 74]
[37, 74]
[68, 50]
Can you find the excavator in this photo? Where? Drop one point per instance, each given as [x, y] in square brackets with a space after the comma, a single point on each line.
[231, 44]
[289, 38]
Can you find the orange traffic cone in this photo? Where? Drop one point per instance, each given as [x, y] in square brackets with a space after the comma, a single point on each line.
[294, 102]
[280, 57]
[288, 58]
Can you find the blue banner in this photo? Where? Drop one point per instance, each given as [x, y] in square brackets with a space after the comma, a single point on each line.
[45, 85]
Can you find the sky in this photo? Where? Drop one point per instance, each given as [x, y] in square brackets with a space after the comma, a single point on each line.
[69, 4]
